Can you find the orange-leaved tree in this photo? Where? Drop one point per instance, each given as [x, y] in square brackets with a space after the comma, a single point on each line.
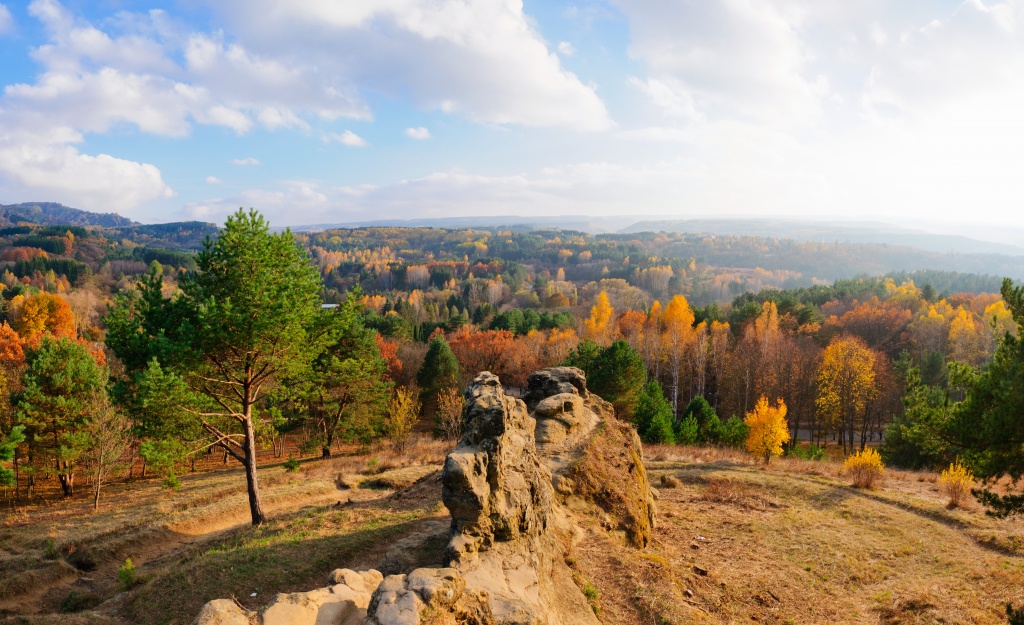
[768, 429]
[44, 314]
[12, 348]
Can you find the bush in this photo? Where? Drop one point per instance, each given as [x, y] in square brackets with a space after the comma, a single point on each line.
[126, 575]
[865, 468]
[50, 549]
[78, 600]
[686, 431]
[291, 465]
[733, 433]
[450, 406]
[956, 482]
[171, 482]
[810, 452]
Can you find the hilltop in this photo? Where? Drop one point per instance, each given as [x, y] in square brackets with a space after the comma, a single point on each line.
[55, 214]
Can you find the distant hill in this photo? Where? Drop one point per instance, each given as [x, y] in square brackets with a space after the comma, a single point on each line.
[54, 214]
[178, 235]
[831, 232]
[582, 223]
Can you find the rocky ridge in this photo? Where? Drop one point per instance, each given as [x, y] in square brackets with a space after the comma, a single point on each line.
[515, 486]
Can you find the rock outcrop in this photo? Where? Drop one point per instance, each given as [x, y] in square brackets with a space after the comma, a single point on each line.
[512, 485]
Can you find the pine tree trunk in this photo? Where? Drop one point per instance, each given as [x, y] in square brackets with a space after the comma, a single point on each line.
[255, 503]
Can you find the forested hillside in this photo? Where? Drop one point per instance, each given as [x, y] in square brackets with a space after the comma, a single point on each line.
[121, 359]
[703, 323]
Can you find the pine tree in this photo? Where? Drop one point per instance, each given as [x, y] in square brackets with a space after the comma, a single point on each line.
[653, 415]
[61, 381]
[246, 319]
[440, 370]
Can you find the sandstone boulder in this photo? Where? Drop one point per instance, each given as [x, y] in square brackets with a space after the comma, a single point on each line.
[224, 612]
[553, 381]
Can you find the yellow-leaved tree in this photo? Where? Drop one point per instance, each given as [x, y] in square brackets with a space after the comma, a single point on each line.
[598, 326]
[676, 341]
[768, 429]
[846, 383]
[966, 338]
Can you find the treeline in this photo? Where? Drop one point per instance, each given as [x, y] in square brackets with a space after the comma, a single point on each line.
[236, 349]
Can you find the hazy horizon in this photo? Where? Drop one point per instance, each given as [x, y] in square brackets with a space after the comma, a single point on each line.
[901, 112]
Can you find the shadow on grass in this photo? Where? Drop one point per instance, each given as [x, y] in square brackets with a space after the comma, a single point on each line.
[288, 555]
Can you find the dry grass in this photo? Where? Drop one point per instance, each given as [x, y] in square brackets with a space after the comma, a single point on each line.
[155, 527]
[737, 492]
[827, 552]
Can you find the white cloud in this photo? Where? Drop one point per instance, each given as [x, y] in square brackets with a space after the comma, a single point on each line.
[728, 57]
[420, 133]
[481, 60]
[6, 21]
[878, 107]
[245, 162]
[48, 166]
[213, 180]
[347, 138]
[566, 49]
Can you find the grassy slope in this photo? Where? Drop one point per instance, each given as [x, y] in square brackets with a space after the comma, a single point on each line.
[195, 544]
[792, 543]
[795, 544]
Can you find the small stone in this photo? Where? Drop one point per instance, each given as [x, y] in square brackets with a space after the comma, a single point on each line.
[670, 481]
[687, 592]
[694, 546]
[699, 570]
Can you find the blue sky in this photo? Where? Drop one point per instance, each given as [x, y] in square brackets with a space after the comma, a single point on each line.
[343, 111]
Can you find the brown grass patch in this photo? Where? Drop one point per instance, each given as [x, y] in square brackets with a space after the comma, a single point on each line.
[735, 492]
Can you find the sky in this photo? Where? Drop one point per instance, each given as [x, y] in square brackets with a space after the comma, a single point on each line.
[346, 111]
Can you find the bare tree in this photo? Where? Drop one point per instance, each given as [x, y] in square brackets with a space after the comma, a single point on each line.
[110, 435]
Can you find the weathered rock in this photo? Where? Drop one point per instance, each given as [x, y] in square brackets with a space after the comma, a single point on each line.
[610, 474]
[224, 612]
[499, 493]
[406, 599]
[512, 486]
[494, 485]
[564, 420]
[357, 581]
[344, 603]
[553, 381]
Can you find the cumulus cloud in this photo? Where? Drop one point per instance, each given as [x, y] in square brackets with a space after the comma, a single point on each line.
[6, 21]
[728, 56]
[420, 133]
[277, 65]
[481, 60]
[245, 162]
[213, 180]
[347, 138]
[50, 166]
[874, 107]
[566, 49]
